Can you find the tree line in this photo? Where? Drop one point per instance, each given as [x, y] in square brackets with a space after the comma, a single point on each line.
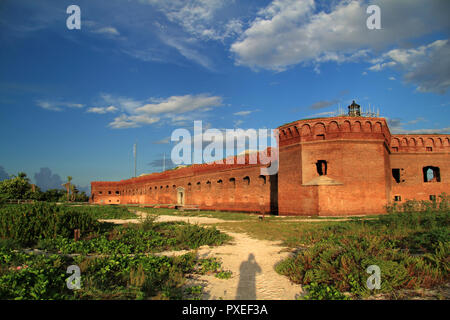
[19, 187]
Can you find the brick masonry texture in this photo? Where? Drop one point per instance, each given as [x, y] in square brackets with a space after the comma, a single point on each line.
[327, 166]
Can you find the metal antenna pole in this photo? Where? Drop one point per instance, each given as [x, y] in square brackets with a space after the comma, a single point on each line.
[135, 152]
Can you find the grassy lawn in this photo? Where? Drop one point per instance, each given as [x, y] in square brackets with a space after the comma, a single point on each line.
[289, 232]
[209, 214]
[226, 215]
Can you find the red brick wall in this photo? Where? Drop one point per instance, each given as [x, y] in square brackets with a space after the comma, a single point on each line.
[360, 153]
[210, 189]
[357, 157]
[411, 156]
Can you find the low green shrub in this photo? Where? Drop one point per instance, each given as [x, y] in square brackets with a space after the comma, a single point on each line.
[103, 211]
[31, 276]
[317, 291]
[224, 274]
[194, 236]
[28, 223]
[342, 264]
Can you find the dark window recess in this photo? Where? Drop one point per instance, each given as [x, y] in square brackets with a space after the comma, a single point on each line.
[117, 192]
[431, 174]
[397, 198]
[432, 197]
[395, 149]
[100, 192]
[320, 137]
[429, 149]
[109, 192]
[246, 181]
[262, 179]
[321, 166]
[396, 175]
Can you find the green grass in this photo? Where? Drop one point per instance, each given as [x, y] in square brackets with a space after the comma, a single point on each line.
[229, 216]
[234, 216]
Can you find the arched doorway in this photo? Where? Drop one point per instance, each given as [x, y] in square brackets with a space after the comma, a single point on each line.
[181, 196]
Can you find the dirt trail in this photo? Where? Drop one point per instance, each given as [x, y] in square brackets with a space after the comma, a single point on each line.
[250, 260]
[253, 277]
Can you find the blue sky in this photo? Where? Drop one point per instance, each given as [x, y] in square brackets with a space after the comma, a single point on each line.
[75, 101]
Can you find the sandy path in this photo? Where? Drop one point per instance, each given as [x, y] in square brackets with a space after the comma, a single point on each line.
[251, 261]
[253, 277]
[166, 218]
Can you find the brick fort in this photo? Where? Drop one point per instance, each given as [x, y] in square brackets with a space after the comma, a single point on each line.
[343, 165]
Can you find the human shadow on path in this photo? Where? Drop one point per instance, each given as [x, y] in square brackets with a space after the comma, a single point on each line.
[246, 289]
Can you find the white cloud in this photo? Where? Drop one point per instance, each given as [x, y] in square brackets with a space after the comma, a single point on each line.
[181, 104]
[242, 113]
[322, 114]
[392, 78]
[163, 141]
[125, 121]
[103, 110]
[422, 131]
[124, 103]
[203, 19]
[56, 105]
[427, 66]
[237, 123]
[186, 50]
[396, 126]
[290, 32]
[176, 109]
[108, 31]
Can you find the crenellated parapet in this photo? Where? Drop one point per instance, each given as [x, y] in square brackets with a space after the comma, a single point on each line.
[342, 127]
[416, 143]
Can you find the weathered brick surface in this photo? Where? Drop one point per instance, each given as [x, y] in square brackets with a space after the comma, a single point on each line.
[359, 152]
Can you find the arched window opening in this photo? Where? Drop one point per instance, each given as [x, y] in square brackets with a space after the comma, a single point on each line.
[246, 181]
[262, 179]
[396, 174]
[321, 166]
[233, 182]
[431, 174]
